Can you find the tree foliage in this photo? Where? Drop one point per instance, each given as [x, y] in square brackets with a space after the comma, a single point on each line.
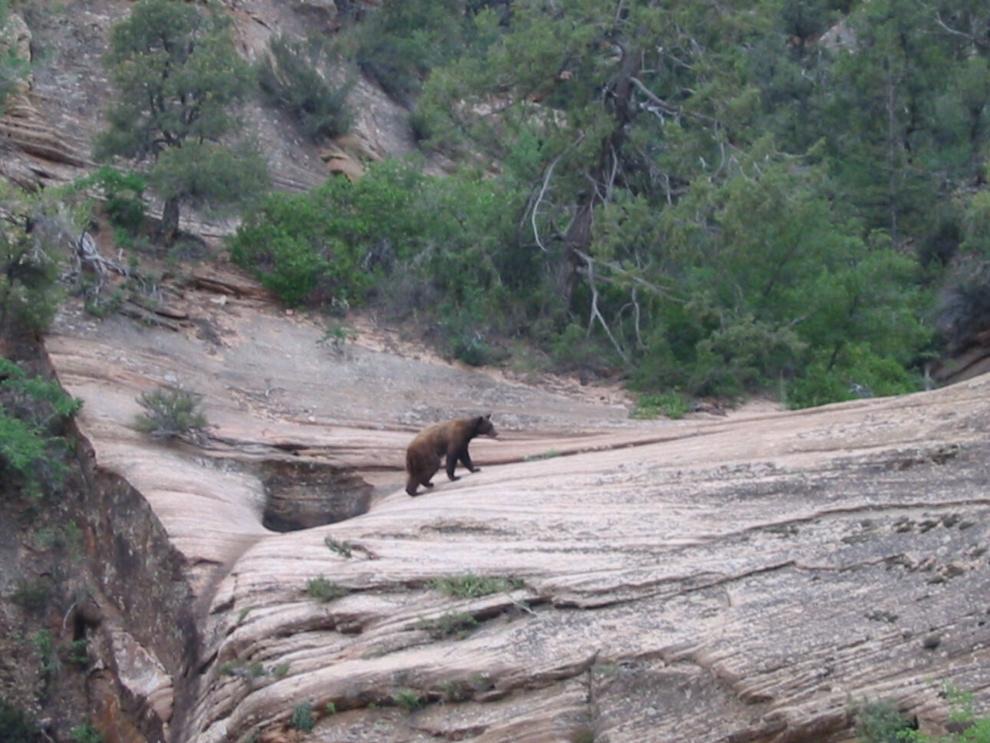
[33, 413]
[30, 261]
[178, 77]
[713, 198]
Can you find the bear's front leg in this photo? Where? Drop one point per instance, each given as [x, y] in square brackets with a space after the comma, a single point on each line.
[466, 461]
[451, 464]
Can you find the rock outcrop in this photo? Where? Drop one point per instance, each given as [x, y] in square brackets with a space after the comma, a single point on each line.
[742, 578]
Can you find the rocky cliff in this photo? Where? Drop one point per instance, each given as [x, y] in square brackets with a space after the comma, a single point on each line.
[750, 578]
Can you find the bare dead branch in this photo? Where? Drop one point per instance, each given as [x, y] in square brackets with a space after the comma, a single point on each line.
[628, 276]
[534, 211]
[954, 31]
[595, 313]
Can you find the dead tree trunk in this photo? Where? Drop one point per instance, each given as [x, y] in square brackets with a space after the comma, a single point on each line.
[607, 169]
[170, 222]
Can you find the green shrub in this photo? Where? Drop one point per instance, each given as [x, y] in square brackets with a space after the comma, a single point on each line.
[473, 586]
[424, 245]
[409, 699]
[32, 596]
[858, 372]
[880, 722]
[302, 717]
[344, 549]
[44, 644]
[33, 412]
[294, 76]
[77, 653]
[324, 590]
[170, 412]
[296, 246]
[458, 624]
[670, 404]
[548, 454]
[86, 733]
[16, 725]
[122, 193]
[29, 291]
[239, 668]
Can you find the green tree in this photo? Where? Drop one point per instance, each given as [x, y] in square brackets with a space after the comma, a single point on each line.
[30, 259]
[12, 67]
[178, 78]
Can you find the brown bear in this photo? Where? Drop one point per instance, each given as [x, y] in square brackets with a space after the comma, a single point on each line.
[450, 438]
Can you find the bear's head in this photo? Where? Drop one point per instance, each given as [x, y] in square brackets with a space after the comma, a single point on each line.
[484, 426]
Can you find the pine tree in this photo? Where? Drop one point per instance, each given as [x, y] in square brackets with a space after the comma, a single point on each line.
[178, 78]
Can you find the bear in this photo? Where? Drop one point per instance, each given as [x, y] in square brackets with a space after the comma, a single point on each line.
[450, 438]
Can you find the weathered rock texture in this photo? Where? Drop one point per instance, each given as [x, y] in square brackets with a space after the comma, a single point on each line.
[748, 578]
[745, 579]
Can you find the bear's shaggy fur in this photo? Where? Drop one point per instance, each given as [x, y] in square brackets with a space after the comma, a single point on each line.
[451, 439]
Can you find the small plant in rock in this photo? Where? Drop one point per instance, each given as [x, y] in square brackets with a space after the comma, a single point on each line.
[324, 590]
[77, 654]
[302, 717]
[336, 336]
[408, 699]
[293, 77]
[103, 305]
[455, 690]
[457, 624]
[243, 670]
[473, 586]
[170, 412]
[86, 733]
[281, 670]
[344, 549]
[548, 454]
[44, 644]
[330, 709]
[32, 595]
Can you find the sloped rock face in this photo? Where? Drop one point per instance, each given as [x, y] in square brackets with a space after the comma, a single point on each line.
[749, 578]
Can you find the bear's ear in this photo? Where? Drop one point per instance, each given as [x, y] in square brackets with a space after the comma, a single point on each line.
[488, 417]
